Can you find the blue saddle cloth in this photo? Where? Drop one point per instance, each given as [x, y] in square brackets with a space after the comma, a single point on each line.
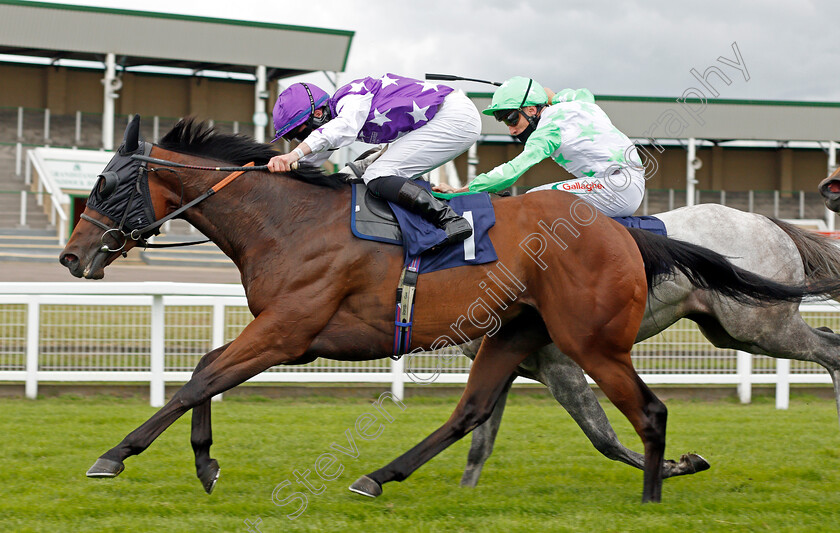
[419, 236]
[649, 223]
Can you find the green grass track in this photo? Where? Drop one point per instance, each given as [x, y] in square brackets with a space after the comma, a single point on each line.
[771, 470]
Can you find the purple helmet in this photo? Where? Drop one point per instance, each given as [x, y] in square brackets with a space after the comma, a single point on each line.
[295, 105]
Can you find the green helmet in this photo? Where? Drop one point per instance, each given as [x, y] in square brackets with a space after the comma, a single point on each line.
[511, 95]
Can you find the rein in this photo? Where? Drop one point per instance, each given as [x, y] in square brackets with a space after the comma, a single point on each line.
[173, 164]
[137, 234]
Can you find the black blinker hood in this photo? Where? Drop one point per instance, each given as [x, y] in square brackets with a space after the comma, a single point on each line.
[125, 180]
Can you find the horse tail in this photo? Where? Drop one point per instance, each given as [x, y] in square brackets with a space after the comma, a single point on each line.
[709, 270]
[820, 254]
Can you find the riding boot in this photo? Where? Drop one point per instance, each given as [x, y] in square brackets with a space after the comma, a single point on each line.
[418, 200]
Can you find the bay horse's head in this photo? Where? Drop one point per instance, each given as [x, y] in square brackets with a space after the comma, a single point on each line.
[830, 190]
[126, 207]
[118, 212]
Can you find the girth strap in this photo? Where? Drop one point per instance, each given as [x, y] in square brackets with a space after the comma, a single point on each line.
[405, 308]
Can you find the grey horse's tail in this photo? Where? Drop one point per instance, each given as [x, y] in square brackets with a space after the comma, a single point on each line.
[707, 269]
[820, 254]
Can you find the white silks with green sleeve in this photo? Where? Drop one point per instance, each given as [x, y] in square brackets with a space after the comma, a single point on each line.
[577, 134]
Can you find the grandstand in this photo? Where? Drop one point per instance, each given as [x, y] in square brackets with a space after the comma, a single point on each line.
[759, 156]
[72, 75]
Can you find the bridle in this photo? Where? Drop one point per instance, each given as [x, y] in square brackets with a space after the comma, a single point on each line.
[122, 234]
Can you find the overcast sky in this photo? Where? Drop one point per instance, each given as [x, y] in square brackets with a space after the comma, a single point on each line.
[790, 49]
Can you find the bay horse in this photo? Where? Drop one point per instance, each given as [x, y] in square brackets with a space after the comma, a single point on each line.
[316, 291]
[759, 244]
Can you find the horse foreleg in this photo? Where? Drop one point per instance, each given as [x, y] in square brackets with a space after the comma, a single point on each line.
[496, 360]
[201, 437]
[251, 353]
[648, 415]
[567, 383]
[483, 438]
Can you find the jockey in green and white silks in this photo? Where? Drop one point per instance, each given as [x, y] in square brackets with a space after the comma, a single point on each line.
[571, 129]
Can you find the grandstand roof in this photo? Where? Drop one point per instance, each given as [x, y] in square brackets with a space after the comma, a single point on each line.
[138, 38]
[715, 119]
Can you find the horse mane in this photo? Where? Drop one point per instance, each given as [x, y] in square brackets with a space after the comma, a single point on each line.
[193, 137]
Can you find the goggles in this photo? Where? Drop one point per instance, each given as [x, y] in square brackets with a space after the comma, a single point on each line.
[297, 134]
[509, 116]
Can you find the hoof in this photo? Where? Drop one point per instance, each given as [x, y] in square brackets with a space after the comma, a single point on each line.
[209, 475]
[470, 477]
[366, 487]
[105, 468]
[694, 463]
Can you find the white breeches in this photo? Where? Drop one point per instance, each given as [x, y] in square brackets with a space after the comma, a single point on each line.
[454, 128]
[618, 195]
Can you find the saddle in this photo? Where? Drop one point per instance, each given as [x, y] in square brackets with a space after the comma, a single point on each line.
[372, 218]
[648, 223]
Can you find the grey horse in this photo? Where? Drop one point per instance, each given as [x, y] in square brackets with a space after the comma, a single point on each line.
[762, 245]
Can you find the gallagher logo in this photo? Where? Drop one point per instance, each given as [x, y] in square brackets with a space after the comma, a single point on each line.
[578, 186]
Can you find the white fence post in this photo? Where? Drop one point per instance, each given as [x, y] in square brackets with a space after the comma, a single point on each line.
[19, 158]
[801, 204]
[398, 378]
[744, 377]
[47, 126]
[472, 162]
[23, 208]
[33, 323]
[212, 303]
[690, 181]
[218, 333]
[77, 139]
[28, 175]
[40, 190]
[782, 383]
[62, 230]
[156, 385]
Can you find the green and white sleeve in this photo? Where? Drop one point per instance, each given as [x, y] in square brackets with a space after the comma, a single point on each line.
[541, 144]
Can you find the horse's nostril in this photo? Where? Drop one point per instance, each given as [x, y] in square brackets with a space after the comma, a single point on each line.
[68, 259]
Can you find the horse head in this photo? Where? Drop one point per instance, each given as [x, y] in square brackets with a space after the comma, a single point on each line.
[118, 209]
[136, 193]
[830, 190]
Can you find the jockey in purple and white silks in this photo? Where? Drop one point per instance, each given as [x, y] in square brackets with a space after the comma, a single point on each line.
[424, 124]
[571, 129]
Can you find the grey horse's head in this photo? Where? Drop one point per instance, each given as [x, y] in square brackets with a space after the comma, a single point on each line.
[830, 190]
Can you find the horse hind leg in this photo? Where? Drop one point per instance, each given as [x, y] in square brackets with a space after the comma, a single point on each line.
[567, 383]
[483, 438]
[494, 365]
[790, 338]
